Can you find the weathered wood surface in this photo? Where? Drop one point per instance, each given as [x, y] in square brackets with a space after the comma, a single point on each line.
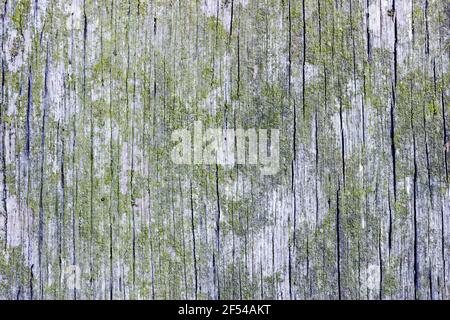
[92, 206]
